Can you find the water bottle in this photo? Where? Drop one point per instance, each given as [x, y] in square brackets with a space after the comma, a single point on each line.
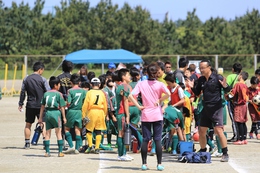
[127, 136]
[37, 133]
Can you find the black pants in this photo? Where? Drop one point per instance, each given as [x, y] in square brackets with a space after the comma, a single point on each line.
[234, 124]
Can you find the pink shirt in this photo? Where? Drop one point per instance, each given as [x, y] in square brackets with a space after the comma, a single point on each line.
[151, 91]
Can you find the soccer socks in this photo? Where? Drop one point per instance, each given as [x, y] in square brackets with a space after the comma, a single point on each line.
[89, 137]
[175, 141]
[120, 146]
[69, 139]
[78, 142]
[209, 142]
[139, 139]
[60, 145]
[188, 137]
[109, 136]
[47, 145]
[98, 141]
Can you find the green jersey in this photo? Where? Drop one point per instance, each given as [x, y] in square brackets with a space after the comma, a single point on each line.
[232, 79]
[53, 100]
[121, 91]
[76, 98]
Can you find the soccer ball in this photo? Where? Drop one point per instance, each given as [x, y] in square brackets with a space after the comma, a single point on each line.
[256, 100]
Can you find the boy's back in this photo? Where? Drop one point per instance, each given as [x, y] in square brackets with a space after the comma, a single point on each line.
[76, 98]
[53, 100]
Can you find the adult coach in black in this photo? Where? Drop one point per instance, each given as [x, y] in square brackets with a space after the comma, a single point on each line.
[211, 84]
[34, 86]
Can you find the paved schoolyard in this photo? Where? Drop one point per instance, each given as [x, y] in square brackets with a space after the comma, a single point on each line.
[13, 158]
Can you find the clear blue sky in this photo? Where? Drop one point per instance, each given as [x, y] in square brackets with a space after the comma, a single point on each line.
[177, 9]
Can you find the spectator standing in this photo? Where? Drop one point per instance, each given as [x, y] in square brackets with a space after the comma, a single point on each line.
[153, 94]
[33, 86]
[231, 81]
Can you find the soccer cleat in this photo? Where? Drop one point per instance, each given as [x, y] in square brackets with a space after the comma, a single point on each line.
[69, 151]
[27, 146]
[90, 150]
[129, 157]
[47, 155]
[251, 136]
[238, 142]
[224, 158]
[109, 145]
[123, 158]
[160, 168]
[144, 167]
[212, 150]
[76, 152]
[174, 152]
[258, 136]
[244, 141]
[216, 154]
[233, 139]
[97, 151]
[60, 154]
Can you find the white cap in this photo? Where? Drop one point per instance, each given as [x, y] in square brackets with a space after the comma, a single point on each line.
[95, 80]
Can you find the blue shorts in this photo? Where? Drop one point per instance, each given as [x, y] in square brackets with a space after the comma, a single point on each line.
[147, 128]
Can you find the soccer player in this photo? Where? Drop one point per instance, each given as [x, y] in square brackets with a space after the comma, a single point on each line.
[54, 104]
[95, 108]
[122, 112]
[76, 96]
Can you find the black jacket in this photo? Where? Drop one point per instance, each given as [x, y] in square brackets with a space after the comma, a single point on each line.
[34, 86]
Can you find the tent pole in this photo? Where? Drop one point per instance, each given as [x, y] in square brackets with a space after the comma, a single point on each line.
[102, 69]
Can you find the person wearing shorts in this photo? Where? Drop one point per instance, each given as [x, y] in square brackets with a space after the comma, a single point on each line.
[34, 86]
[211, 84]
[76, 96]
[95, 108]
[54, 104]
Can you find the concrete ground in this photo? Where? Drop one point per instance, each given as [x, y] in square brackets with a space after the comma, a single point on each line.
[13, 158]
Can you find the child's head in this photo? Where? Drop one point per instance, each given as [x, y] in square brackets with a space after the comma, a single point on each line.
[187, 72]
[257, 73]
[67, 66]
[152, 71]
[109, 74]
[170, 79]
[54, 83]
[144, 71]
[75, 79]
[124, 75]
[103, 80]
[85, 85]
[110, 83]
[237, 67]
[243, 76]
[91, 75]
[254, 81]
[95, 82]
[115, 76]
[135, 74]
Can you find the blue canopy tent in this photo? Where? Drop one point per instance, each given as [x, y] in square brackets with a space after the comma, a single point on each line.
[103, 56]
